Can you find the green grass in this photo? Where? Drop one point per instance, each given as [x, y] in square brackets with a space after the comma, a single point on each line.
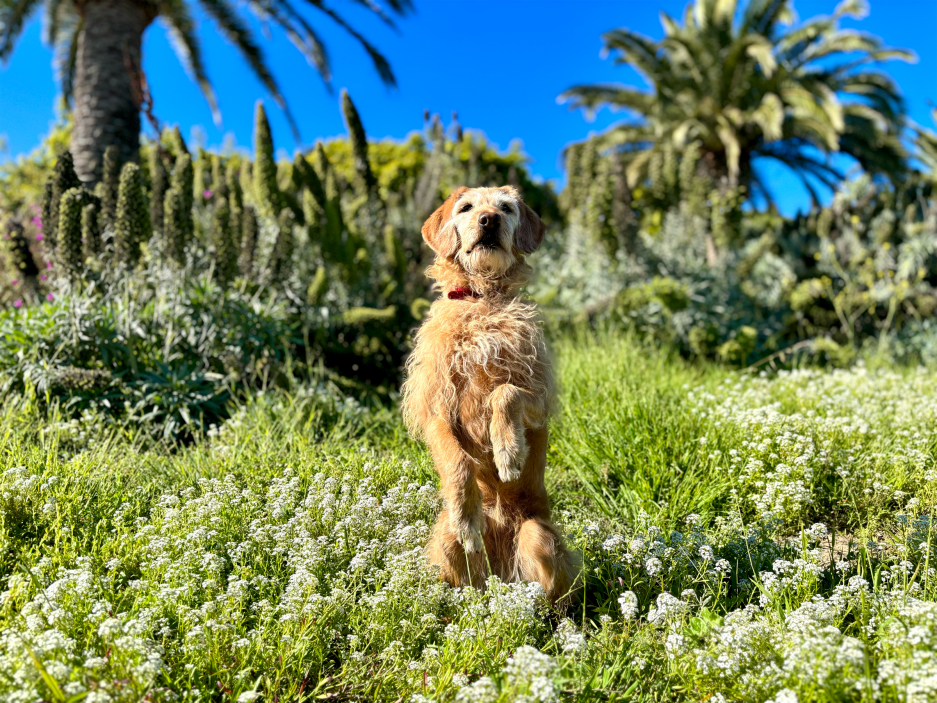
[279, 558]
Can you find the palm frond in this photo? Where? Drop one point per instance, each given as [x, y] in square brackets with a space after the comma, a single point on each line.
[65, 45]
[381, 65]
[635, 49]
[761, 16]
[181, 30]
[400, 7]
[237, 32]
[13, 17]
[592, 97]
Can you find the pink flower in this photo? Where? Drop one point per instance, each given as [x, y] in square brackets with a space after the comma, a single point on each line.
[50, 297]
[43, 277]
[38, 237]
[17, 303]
[206, 194]
[48, 264]
[37, 221]
[13, 283]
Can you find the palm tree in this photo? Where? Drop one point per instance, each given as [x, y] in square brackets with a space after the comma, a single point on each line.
[98, 49]
[743, 84]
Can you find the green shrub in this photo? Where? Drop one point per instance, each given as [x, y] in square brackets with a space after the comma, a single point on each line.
[132, 225]
[70, 250]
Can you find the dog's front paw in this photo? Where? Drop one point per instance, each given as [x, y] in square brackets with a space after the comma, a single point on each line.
[510, 457]
[470, 531]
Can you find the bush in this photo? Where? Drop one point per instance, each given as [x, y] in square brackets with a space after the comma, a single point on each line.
[258, 274]
[857, 276]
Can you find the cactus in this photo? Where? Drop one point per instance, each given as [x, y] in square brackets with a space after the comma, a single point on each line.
[394, 254]
[318, 287]
[598, 204]
[201, 176]
[569, 198]
[226, 249]
[90, 227]
[132, 225]
[419, 307]
[363, 315]
[176, 222]
[266, 193]
[246, 180]
[177, 142]
[109, 186]
[282, 255]
[159, 185]
[48, 225]
[313, 214]
[365, 182]
[248, 241]
[313, 197]
[233, 186]
[21, 258]
[63, 178]
[69, 251]
[621, 218]
[183, 178]
[178, 227]
[307, 178]
[332, 246]
[235, 203]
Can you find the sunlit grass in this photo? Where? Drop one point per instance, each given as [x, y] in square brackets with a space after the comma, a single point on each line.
[744, 538]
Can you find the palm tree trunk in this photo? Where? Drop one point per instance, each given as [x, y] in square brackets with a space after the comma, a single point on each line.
[108, 87]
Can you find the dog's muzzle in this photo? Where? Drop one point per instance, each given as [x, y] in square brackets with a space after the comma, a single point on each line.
[490, 225]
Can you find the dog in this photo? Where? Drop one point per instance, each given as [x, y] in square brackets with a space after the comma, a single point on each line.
[479, 391]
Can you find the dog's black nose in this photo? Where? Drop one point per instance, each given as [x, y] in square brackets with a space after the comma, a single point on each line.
[488, 220]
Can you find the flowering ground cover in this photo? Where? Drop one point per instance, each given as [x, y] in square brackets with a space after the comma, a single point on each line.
[745, 537]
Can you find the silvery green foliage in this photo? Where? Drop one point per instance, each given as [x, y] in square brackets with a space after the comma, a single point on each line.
[572, 273]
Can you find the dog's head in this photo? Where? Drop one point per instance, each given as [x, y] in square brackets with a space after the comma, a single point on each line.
[485, 231]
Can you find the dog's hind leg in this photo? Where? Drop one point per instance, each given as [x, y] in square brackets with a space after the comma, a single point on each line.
[459, 487]
[456, 567]
[541, 556]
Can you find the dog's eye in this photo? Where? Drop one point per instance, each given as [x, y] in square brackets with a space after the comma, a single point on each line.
[466, 207]
[507, 208]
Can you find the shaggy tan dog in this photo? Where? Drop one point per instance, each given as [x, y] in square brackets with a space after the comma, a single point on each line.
[479, 391]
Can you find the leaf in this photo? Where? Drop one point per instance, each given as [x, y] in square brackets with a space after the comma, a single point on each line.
[763, 52]
[733, 150]
[857, 9]
[724, 12]
[50, 682]
[769, 116]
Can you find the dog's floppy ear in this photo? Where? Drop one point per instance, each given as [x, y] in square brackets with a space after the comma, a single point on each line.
[442, 239]
[530, 230]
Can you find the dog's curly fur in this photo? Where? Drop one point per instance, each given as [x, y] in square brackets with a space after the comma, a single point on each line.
[479, 391]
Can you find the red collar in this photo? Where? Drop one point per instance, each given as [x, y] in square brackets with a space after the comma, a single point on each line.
[462, 293]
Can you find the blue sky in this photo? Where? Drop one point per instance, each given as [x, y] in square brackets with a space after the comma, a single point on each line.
[500, 64]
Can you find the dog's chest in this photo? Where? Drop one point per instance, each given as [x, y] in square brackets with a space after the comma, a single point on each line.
[501, 344]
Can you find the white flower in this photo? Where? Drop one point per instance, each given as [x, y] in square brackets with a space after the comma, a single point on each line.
[248, 697]
[653, 566]
[482, 691]
[706, 553]
[668, 608]
[109, 628]
[675, 645]
[629, 605]
[571, 640]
